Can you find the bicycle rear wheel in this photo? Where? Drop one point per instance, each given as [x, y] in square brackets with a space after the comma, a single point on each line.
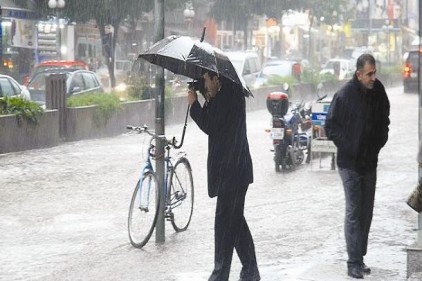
[180, 195]
[143, 211]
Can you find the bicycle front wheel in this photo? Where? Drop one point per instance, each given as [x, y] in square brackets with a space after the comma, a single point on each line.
[143, 211]
[180, 195]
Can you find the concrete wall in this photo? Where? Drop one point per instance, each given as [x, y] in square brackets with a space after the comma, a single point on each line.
[82, 124]
[20, 135]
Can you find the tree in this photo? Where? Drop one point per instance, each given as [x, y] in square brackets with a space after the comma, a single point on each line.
[105, 13]
[239, 13]
[329, 10]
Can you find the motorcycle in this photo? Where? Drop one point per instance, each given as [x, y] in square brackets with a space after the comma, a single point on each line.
[313, 131]
[316, 130]
[288, 141]
[306, 112]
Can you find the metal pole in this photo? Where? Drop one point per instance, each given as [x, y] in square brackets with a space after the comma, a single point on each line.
[1, 37]
[370, 21]
[159, 122]
[58, 35]
[420, 106]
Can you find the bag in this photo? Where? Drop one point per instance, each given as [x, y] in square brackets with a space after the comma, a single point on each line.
[415, 199]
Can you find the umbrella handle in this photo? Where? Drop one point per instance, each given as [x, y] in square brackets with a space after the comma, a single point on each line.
[183, 133]
[203, 34]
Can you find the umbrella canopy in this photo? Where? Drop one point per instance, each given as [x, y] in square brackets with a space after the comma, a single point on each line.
[188, 56]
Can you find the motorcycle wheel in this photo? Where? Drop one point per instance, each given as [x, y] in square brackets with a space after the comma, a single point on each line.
[296, 155]
[299, 156]
[277, 158]
[291, 161]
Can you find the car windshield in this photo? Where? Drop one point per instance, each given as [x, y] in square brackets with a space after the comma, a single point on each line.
[331, 64]
[282, 69]
[37, 85]
[46, 67]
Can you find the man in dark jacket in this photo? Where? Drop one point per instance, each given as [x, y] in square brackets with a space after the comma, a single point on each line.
[357, 122]
[229, 164]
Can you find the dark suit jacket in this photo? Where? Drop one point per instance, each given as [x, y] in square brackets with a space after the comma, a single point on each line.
[357, 122]
[223, 119]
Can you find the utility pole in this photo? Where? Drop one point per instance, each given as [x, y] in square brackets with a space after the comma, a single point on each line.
[420, 114]
[159, 122]
[414, 251]
[1, 37]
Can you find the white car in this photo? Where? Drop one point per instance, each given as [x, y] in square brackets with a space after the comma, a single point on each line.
[9, 87]
[247, 65]
[277, 68]
[340, 68]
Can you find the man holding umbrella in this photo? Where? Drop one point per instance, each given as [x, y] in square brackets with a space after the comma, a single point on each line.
[223, 119]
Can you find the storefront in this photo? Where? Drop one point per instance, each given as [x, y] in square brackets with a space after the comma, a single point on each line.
[18, 40]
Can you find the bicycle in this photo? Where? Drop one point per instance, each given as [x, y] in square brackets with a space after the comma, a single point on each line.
[178, 188]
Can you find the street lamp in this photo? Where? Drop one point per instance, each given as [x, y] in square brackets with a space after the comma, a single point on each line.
[57, 5]
[189, 14]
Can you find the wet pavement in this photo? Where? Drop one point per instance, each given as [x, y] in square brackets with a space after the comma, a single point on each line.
[63, 211]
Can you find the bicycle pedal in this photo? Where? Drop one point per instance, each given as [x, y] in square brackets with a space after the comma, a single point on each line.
[169, 216]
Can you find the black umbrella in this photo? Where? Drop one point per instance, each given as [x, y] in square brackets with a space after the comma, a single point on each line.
[188, 56]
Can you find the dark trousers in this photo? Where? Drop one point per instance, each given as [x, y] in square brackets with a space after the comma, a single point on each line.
[231, 231]
[359, 190]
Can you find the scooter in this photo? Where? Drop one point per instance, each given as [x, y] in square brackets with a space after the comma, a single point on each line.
[288, 142]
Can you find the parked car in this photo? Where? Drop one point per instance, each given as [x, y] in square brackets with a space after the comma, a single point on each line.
[9, 87]
[55, 64]
[77, 82]
[278, 68]
[340, 68]
[247, 65]
[122, 69]
[410, 71]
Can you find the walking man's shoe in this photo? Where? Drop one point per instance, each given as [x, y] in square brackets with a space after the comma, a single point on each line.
[250, 277]
[355, 272]
[365, 269]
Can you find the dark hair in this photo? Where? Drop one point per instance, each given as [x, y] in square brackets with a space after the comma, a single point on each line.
[211, 74]
[363, 59]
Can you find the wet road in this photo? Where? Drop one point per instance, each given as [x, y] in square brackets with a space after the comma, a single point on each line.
[63, 211]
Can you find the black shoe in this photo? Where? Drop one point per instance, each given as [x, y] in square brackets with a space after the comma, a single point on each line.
[365, 269]
[250, 277]
[355, 272]
[255, 278]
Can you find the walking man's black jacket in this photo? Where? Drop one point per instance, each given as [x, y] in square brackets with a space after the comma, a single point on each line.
[357, 122]
[223, 119]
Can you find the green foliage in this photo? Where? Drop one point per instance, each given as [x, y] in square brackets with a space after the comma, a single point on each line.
[138, 88]
[310, 75]
[107, 105]
[328, 77]
[22, 108]
[391, 69]
[280, 80]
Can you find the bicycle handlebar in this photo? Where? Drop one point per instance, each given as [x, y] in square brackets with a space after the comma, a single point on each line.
[144, 129]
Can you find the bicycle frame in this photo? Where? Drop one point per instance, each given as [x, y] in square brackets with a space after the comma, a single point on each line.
[177, 187]
[168, 168]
